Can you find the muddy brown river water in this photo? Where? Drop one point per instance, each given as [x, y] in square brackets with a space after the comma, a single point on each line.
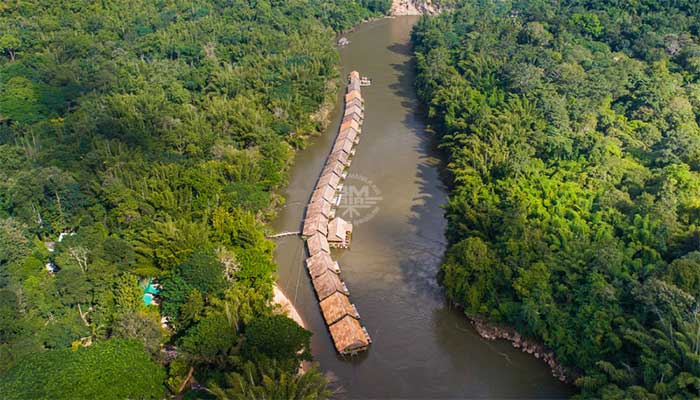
[422, 347]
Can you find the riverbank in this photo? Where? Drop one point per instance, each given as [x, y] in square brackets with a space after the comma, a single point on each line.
[491, 331]
[286, 306]
[413, 7]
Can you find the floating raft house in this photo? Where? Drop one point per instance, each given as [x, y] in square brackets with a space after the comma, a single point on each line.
[323, 230]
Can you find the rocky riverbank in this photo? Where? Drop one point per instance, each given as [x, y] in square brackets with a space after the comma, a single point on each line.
[492, 332]
[414, 7]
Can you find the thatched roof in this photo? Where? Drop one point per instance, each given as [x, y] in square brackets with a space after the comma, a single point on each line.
[355, 110]
[329, 179]
[355, 103]
[352, 95]
[349, 134]
[319, 207]
[334, 168]
[326, 193]
[354, 85]
[328, 283]
[341, 157]
[343, 145]
[317, 243]
[315, 223]
[337, 306]
[348, 335]
[352, 116]
[320, 263]
[339, 230]
[350, 124]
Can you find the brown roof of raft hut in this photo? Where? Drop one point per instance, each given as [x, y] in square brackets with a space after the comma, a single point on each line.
[354, 85]
[352, 117]
[344, 145]
[352, 95]
[350, 134]
[326, 193]
[317, 243]
[329, 179]
[328, 283]
[334, 168]
[320, 263]
[320, 207]
[355, 103]
[339, 232]
[315, 223]
[341, 157]
[348, 336]
[355, 111]
[350, 124]
[337, 306]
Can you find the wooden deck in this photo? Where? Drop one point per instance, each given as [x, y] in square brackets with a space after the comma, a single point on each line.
[283, 234]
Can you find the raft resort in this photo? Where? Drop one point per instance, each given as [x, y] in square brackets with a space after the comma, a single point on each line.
[323, 230]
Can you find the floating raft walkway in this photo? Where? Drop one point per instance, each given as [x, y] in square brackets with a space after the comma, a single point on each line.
[323, 231]
[282, 234]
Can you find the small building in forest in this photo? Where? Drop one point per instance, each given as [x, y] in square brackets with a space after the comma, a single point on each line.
[151, 293]
[339, 233]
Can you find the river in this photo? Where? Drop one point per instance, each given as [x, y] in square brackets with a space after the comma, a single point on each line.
[422, 347]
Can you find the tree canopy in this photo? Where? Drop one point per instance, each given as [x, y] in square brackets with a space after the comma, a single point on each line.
[112, 369]
[140, 140]
[570, 133]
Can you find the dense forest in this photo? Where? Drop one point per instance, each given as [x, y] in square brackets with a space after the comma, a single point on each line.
[145, 139]
[571, 135]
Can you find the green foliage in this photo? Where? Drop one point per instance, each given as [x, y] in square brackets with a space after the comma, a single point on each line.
[151, 138]
[571, 138]
[139, 326]
[175, 295]
[279, 338]
[211, 340]
[113, 369]
[203, 272]
[270, 382]
[127, 294]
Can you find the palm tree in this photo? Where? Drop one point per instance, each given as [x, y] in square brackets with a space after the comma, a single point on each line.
[273, 383]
